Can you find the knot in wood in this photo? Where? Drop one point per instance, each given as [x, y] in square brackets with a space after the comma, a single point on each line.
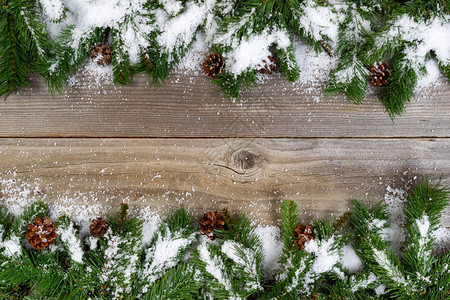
[245, 160]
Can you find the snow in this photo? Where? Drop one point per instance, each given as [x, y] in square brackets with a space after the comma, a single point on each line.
[172, 6]
[53, 9]
[350, 261]
[180, 30]
[215, 267]
[423, 225]
[326, 255]
[320, 21]
[194, 58]
[163, 254]
[249, 53]
[271, 246]
[235, 252]
[314, 67]
[101, 75]
[73, 245]
[429, 35]
[442, 239]
[380, 290]
[391, 270]
[433, 75]
[12, 247]
[357, 285]
[17, 194]
[396, 199]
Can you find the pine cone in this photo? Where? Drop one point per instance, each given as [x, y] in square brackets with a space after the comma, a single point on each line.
[213, 65]
[268, 66]
[209, 222]
[98, 228]
[101, 53]
[41, 233]
[302, 234]
[379, 74]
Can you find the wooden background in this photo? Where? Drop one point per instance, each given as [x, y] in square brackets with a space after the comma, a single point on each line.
[184, 144]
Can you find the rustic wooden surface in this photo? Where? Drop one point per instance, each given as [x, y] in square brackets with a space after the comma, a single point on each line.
[252, 175]
[183, 143]
[191, 106]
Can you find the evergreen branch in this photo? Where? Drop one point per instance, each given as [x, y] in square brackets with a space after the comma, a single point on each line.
[17, 275]
[429, 200]
[311, 30]
[177, 283]
[30, 20]
[291, 279]
[69, 54]
[241, 23]
[239, 230]
[14, 65]
[247, 273]
[401, 86]
[123, 243]
[423, 213]
[70, 239]
[359, 283]
[120, 60]
[445, 68]
[215, 270]
[231, 85]
[5, 222]
[167, 248]
[52, 281]
[372, 247]
[289, 218]
[350, 76]
[440, 278]
[288, 63]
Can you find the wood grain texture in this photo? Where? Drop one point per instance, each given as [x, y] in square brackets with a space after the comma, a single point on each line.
[249, 175]
[191, 106]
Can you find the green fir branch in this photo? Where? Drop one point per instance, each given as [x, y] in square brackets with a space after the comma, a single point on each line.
[400, 88]
[167, 249]
[231, 85]
[216, 271]
[289, 218]
[288, 63]
[177, 283]
[120, 59]
[23, 43]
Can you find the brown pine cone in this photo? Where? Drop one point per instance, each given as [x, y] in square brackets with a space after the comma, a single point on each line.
[98, 228]
[302, 234]
[379, 74]
[41, 233]
[213, 65]
[209, 222]
[268, 66]
[101, 53]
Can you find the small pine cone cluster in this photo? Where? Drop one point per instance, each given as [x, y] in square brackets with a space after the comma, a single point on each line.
[268, 66]
[101, 53]
[41, 233]
[302, 234]
[98, 228]
[213, 65]
[379, 74]
[209, 222]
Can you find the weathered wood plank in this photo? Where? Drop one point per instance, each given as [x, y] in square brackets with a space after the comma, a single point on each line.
[191, 106]
[250, 175]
